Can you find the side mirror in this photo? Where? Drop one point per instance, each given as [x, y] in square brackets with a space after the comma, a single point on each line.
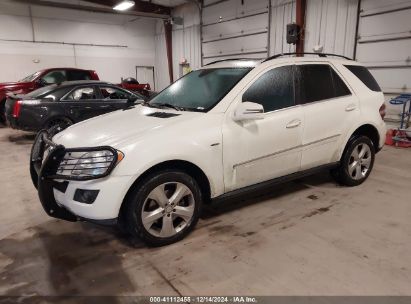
[248, 111]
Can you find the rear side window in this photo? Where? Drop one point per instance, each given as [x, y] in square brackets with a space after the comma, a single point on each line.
[274, 90]
[110, 93]
[319, 82]
[78, 75]
[340, 87]
[83, 93]
[365, 76]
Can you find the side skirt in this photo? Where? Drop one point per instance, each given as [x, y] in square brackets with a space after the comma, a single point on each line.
[267, 184]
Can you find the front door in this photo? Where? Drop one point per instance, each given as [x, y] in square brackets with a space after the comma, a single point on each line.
[260, 150]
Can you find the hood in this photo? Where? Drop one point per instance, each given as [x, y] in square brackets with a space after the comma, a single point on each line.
[118, 128]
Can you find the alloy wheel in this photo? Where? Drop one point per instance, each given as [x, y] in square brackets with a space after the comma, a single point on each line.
[168, 209]
[360, 161]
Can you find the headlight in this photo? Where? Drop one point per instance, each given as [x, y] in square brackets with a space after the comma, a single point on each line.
[89, 164]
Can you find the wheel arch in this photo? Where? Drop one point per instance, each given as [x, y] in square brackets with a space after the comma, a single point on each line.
[363, 130]
[57, 117]
[371, 132]
[193, 170]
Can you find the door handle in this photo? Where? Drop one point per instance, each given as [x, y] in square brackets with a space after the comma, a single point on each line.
[350, 107]
[294, 123]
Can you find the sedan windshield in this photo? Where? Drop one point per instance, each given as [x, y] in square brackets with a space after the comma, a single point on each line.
[30, 77]
[199, 90]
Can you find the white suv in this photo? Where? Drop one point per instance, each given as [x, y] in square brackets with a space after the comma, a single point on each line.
[230, 127]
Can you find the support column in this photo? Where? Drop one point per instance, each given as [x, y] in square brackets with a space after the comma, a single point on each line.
[300, 20]
[169, 47]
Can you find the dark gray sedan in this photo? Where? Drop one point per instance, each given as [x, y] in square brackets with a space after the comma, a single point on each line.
[67, 103]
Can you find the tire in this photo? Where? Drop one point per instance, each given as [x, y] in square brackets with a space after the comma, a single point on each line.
[166, 220]
[356, 162]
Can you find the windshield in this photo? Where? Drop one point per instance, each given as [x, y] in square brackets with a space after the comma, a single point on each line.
[30, 77]
[200, 90]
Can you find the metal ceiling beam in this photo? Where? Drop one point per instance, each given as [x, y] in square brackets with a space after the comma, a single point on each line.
[95, 9]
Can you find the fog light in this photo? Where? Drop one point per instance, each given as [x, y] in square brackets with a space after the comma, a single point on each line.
[86, 196]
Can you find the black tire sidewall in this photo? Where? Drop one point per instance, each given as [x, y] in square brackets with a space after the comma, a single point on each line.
[135, 202]
[343, 172]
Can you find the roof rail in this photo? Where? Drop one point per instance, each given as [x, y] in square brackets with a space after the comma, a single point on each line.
[229, 59]
[318, 54]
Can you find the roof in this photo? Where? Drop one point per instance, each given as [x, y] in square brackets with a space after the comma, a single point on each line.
[82, 82]
[244, 62]
[62, 68]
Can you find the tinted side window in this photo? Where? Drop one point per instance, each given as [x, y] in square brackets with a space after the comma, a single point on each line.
[315, 82]
[77, 75]
[110, 93]
[84, 93]
[273, 90]
[365, 76]
[55, 77]
[340, 87]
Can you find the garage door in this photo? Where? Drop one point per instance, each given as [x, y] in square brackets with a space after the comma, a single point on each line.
[234, 28]
[384, 43]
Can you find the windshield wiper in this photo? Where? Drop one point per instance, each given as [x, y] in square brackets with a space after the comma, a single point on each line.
[167, 105]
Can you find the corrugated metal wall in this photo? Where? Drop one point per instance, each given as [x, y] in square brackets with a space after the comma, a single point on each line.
[282, 13]
[384, 43]
[331, 25]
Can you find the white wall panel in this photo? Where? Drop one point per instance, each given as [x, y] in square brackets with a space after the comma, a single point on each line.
[393, 80]
[235, 28]
[331, 24]
[282, 13]
[231, 9]
[384, 43]
[17, 57]
[240, 45]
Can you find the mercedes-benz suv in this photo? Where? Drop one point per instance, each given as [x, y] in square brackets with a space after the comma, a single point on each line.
[227, 128]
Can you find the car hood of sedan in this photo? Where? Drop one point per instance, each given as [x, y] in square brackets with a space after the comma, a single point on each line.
[121, 127]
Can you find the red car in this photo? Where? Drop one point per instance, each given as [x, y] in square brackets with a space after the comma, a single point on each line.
[131, 84]
[41, 79]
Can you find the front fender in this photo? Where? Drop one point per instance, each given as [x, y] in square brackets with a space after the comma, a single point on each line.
[201, 146]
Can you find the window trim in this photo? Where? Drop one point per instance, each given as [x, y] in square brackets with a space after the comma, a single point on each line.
[258, 76]
[113, 87]
[64, 98]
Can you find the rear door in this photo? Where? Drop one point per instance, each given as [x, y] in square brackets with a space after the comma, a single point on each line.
[116, 97]
[330, 108]
[83, 102]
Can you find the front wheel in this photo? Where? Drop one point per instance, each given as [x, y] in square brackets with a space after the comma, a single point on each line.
[164, 208]
[356, 163]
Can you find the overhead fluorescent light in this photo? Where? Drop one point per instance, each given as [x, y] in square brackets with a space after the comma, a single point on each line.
[124, 5]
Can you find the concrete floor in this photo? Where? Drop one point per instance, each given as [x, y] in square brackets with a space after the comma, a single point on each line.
[308, 237]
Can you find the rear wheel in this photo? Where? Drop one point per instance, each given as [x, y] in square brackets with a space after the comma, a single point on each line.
[356, 163]
[164, 208]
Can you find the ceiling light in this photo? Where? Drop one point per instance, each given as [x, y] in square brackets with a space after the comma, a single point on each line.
[124, 5]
